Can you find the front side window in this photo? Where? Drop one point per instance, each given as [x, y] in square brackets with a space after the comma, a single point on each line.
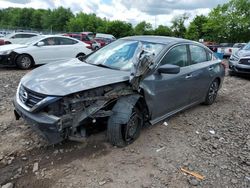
[198, 54]
[176, 56]
[119, 54]
[50, 41]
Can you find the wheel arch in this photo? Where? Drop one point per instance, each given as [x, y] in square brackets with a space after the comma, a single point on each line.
[32, 59]
[124, 105]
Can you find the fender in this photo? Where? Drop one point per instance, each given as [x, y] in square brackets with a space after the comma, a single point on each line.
[124, 106]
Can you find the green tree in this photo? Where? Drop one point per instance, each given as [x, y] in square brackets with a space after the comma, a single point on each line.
[229, 22]
[119, 28]
[143, 28]
[163, 31]
[195, 31]
[178, 25]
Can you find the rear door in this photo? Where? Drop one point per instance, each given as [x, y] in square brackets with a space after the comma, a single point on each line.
[201, 68]
[68, 48]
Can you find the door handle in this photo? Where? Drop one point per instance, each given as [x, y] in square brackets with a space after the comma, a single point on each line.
[189, 76]
[211, 68]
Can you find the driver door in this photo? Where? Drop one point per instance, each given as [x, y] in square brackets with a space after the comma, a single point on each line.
[169, 93]
[47, 53]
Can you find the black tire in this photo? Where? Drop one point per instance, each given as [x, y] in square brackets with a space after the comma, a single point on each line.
[121, 135]
[24, 61]
[96, 48]
[212, 92]
[80, 56]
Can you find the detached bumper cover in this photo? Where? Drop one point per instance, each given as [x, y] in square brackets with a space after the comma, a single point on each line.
[239, 68]
[46, 125]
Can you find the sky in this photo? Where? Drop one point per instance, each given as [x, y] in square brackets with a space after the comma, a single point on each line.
[156, 12]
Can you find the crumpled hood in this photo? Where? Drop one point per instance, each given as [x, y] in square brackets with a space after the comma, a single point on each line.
[242, 53]
[8, 47]
[60, 79]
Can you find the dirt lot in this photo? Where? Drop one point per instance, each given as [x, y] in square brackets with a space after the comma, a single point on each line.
[212, 141]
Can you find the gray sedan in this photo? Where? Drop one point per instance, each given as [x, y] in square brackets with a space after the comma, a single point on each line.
[131, 82]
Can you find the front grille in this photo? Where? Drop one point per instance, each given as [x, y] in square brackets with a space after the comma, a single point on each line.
[245, 61]
[29, 98]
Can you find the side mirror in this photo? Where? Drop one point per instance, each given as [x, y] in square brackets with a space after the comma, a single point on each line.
[40, 44]
[169, 69]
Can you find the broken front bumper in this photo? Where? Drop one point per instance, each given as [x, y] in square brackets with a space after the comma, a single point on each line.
[239, 68]
[7, 60]
[46, 125]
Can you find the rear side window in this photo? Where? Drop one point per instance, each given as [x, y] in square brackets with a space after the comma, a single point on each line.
[66, 41]
[176, 56]
[198, 54]
[28, 35]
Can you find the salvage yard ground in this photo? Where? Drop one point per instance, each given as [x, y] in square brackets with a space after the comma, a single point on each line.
[213, 141]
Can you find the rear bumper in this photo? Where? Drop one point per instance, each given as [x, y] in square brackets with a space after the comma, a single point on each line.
[46, 125]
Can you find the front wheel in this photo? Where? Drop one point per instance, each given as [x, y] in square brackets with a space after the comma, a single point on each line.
[212, 93]
[24, 62]
[121, 135]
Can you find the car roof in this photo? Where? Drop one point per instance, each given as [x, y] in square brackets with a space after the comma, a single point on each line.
[25, 33]
[157, 39]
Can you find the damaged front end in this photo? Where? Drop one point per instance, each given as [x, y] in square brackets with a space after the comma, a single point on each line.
[69, 117]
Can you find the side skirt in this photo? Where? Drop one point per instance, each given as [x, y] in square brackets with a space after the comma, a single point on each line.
[159, 119]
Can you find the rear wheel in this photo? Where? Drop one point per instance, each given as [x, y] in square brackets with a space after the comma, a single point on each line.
[124, 134]
[212, 93]
[24, 61]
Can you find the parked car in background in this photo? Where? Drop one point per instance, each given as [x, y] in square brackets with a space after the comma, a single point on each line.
[92, 44]
[237, 46]
[42, 49]
[128, 83]
[106, 36]
[103, 41]
[16, 37]
[225, 49]
[239, 62]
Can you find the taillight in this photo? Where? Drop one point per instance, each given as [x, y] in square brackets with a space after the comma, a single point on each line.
[224, 64]
[230, 50]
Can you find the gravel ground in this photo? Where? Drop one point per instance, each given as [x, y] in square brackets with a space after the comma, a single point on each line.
[212, 141]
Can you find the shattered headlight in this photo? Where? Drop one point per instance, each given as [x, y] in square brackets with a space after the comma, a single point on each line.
[5, 52]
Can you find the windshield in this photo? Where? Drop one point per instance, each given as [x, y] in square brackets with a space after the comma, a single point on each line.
[247, 47]
[31, 40]
[119, 54]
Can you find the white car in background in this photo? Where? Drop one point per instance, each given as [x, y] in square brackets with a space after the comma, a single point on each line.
[16, 37]
[41, 50]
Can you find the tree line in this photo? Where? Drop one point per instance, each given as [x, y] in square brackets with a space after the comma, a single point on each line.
[229, 22]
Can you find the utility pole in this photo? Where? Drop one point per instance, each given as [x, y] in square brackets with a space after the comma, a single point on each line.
[155, 21]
